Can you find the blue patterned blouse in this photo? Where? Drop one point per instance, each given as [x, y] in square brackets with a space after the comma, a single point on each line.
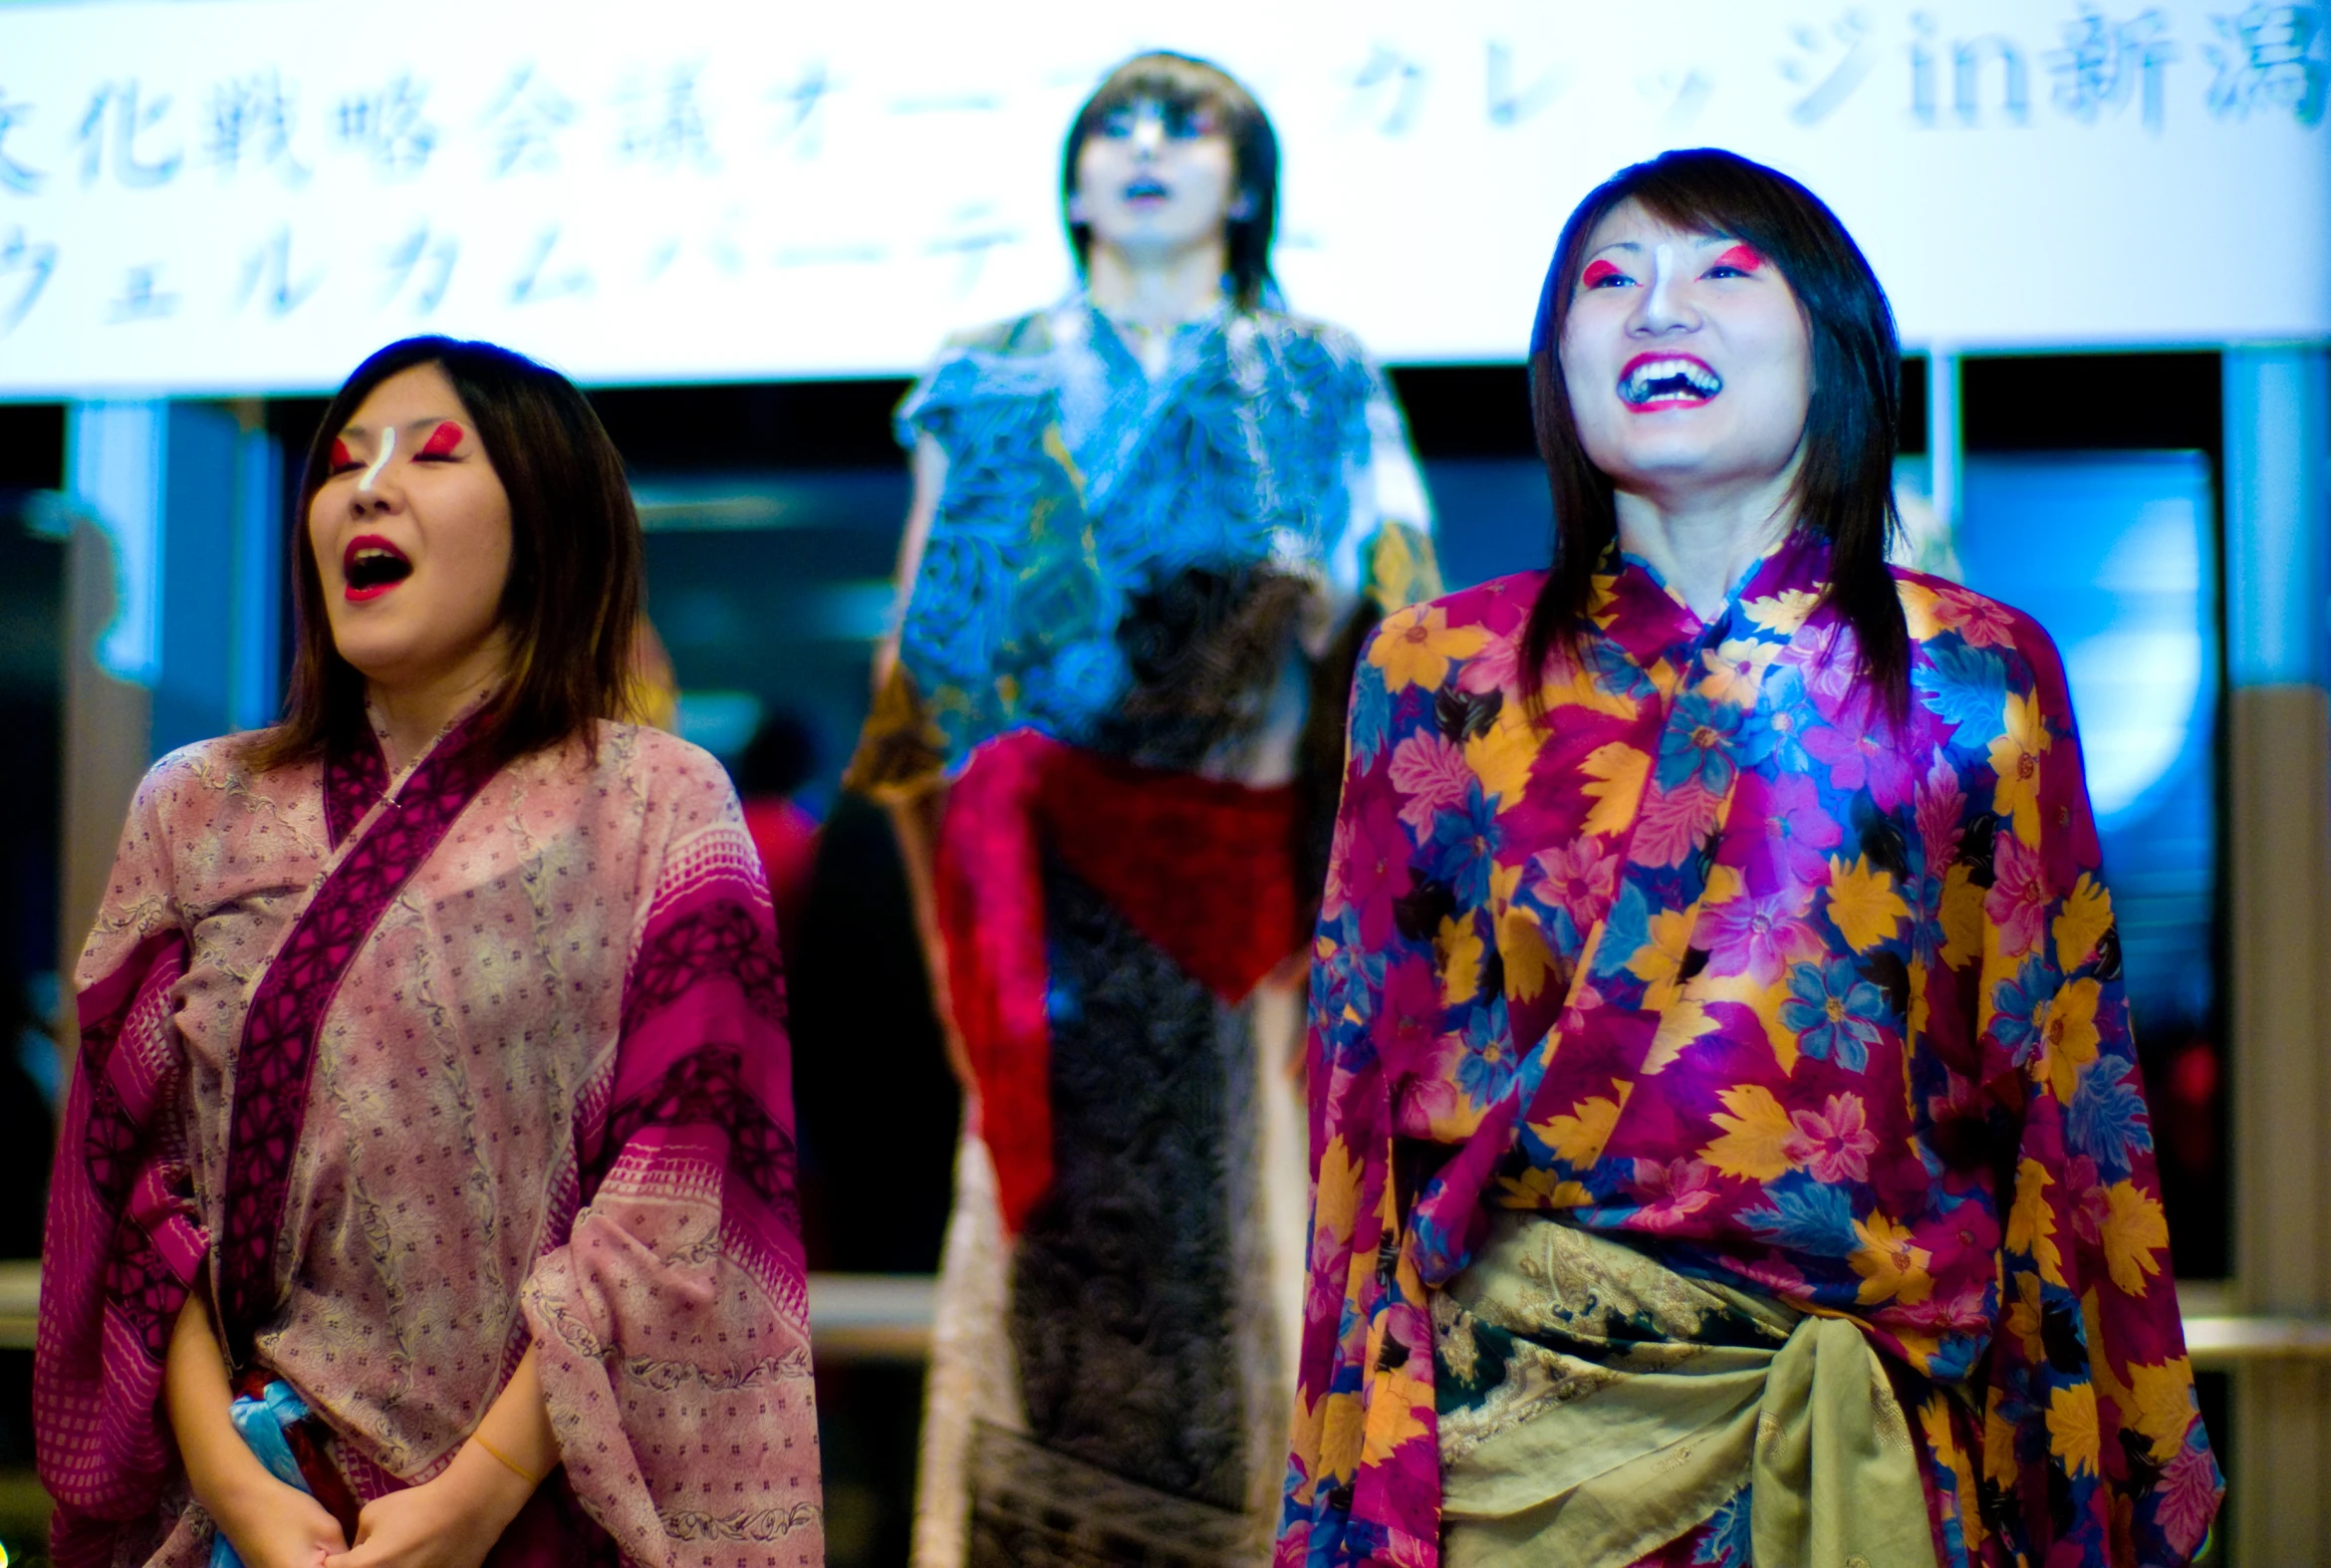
[1078, 480]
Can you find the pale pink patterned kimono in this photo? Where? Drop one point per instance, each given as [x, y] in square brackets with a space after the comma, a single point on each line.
[423, 1071]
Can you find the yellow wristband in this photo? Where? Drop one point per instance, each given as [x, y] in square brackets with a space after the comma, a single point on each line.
[507, 1462]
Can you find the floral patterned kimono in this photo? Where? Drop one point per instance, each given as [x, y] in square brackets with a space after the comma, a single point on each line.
[1813, 1008]
[417, 1072]
[1106, 660]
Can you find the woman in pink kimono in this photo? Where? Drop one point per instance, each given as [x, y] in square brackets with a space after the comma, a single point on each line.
[426, 1189]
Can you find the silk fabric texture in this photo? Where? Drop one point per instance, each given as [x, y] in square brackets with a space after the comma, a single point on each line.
[1622, 1404]
[1077, 480]
[1081, 482]
[423, 1070]
[1797, 995]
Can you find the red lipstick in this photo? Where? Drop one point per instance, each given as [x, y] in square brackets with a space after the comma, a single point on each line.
[1653, 383]
[371, 565]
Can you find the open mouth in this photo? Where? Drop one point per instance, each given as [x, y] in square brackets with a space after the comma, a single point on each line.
[1667, 380]
[372, 566]
[1145, 189]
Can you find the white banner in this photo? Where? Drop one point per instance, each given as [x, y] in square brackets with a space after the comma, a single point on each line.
[223, 195]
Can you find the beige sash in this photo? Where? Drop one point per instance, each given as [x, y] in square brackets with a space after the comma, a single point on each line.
[1618, 1426]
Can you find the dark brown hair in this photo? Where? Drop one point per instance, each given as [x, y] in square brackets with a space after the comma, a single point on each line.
[1184, 83]
[576, 559]
[1845, 485]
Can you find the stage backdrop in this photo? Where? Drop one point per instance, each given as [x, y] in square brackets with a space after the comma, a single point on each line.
[220, 195]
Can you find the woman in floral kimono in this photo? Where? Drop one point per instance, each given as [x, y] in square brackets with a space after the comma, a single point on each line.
[1731, 1144]
[426, 1189]
[1144, 518]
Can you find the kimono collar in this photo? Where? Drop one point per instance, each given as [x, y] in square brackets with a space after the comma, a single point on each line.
[1109, 338]
[1649, 619]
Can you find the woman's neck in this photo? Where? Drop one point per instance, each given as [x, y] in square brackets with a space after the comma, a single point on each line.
[1156, 293]
[412, 714]
[1702, 541]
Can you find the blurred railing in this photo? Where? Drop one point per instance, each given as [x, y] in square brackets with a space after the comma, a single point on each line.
[888, 1317]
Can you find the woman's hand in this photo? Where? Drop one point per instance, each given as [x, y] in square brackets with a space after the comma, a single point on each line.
[452, 1521]
[271, 1525]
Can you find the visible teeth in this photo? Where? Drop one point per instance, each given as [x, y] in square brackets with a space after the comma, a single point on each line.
[371, 565]
[1670, 381]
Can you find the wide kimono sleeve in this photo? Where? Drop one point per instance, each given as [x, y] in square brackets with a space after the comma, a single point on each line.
[673, 1324]
[1375, 1008]
[1392, 513]
[125, 1240]
[2093, 1446]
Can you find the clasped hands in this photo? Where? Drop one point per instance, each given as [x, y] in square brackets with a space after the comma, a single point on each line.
[449, 1521]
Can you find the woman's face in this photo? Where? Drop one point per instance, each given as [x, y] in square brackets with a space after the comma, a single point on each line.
[1155, 180]
[411, 533]
[1687, 358]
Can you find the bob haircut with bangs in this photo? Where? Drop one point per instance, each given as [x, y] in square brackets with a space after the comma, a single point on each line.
[1186, 84]
[572, 605]
[1845, 484]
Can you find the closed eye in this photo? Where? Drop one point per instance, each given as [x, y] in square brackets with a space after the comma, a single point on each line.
[443, 441]
[343, 460]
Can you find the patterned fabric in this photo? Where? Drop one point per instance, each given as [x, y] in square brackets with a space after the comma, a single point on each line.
[545, 1100]
[1804, 999]
[1037, 1505]
[289, 1003]
[1595, 1405]
[1204, 870]
[1076, 483]
[1134, 582]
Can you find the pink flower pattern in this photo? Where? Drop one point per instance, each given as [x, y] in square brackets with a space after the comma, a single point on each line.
[1933, 1135]
[1834, 1143]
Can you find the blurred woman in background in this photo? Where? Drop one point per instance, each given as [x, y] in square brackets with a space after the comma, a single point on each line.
[431, 1131]
[1731, 1147]
[1149, 524]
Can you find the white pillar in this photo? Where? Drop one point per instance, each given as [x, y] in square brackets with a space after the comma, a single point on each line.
[1946, 438]
[2278, 404]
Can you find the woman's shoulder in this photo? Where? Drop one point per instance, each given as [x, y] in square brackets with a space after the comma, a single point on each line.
[1951, 622]
[1029, 333]
[1498, 607]
[1307, 333]
[198, 775]
[657, 766]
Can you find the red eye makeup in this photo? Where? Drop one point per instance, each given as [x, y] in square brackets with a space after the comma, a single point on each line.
[1598, 272]
[442, 442]
[1741, 258]
[342, 457]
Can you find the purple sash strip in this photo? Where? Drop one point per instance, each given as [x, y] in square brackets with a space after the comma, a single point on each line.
[287, 1011]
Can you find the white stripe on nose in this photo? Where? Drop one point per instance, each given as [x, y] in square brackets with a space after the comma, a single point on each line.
[1663, 271]
[388, 450]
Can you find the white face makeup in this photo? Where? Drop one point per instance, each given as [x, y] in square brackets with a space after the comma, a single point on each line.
[412, 535]
[1155, 180]
[1687, 358]
[372, 479]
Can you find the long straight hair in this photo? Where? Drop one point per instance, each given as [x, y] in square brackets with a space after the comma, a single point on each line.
[1186, 84]
[577, 562]
[1844, 490]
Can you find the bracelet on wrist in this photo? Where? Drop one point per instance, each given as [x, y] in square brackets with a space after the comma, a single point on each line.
[506, 1461]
